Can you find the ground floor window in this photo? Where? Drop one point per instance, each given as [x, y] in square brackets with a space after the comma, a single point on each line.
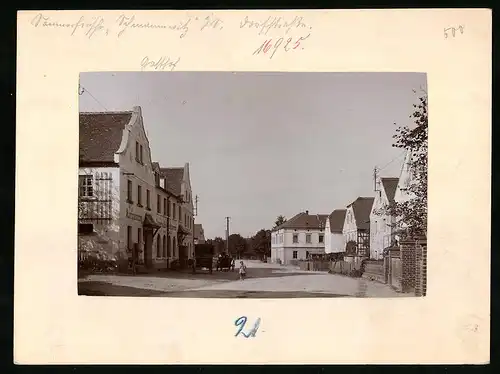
[158, 246]
[129, 237]
[164, 246]
[294, 254]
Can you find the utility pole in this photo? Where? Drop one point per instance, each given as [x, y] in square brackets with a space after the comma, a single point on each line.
[227, 235]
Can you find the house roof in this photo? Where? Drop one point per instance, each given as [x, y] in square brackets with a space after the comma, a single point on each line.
[101, 135]
[198, 230]
[390, 185]
[362, 207]
[304, 220]
[174, 178]
[336, 219]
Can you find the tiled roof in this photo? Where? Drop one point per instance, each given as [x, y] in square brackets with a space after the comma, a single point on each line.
[337, 220]
[390, 185]
[101, 135]
[174, 178]
[362, 207]
[304, 220]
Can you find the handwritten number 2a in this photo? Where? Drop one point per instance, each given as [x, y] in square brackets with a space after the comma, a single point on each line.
[240, 323]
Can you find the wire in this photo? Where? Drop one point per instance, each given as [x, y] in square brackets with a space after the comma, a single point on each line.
[390, 162]
[83, 89]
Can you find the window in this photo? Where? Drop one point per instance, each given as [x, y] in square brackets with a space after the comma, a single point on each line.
[180, 213]
[137, 150]
[86, 185]
[164, 246]
[139, 235]
[129, 237]
[295, 238]
[307, 254]
[139, 195]
[140, 156]
[148, 199]
[165, 206]
[158, 246]
[308, 238]
[321, 238]
[158, 203]
[129, 191]
[85, 228]
[294, 254]
[174, 210]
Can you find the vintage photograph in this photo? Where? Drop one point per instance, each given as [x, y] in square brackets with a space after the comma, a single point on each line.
[252, 184]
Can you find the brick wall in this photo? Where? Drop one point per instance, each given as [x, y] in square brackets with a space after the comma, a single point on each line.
[406, 269]
[421, 268]
[409, 266]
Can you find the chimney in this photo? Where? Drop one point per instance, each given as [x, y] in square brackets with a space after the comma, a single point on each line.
[307, 212]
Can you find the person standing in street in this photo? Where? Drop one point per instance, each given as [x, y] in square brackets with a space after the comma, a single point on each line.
[243, 270]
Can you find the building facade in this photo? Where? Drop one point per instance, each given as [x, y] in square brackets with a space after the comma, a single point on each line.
[381, 222]
[128, 205]
[116, 184]
[356, 229]
[179, 183]
[334, 239]
[299, 238]
[166, 240]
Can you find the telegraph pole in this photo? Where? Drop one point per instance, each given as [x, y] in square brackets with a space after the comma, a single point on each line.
[227, 235]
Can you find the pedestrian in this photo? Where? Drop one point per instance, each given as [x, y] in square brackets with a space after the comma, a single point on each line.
[243, 270]
[233, 263]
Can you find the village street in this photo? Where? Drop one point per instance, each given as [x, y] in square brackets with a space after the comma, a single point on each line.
[263, 281]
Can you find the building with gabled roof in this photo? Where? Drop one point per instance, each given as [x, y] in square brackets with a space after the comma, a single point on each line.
[116, 184]
[334, 239]
[178, 182]
[299, 238]
[381, 222]
[356, 229]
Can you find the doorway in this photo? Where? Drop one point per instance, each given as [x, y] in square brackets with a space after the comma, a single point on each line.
[148, 246]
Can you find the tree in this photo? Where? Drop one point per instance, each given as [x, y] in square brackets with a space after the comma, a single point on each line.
[412, 213]
[219, 244]
[237, 244]
[279, 221]
[261, 242]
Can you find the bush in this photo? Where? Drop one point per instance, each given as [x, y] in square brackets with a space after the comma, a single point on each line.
[98, 261]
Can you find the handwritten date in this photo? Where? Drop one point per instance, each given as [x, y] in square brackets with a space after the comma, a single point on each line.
[286, 44]
[240, 323]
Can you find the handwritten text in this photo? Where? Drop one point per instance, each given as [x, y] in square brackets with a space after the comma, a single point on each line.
[274, 23]
[453, 31]
[240, 323]
[287, 45]
[160, 64]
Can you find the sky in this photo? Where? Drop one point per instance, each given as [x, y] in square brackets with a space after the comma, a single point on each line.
[264, 144]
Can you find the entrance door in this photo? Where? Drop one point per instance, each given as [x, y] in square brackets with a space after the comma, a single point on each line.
[148, 246]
